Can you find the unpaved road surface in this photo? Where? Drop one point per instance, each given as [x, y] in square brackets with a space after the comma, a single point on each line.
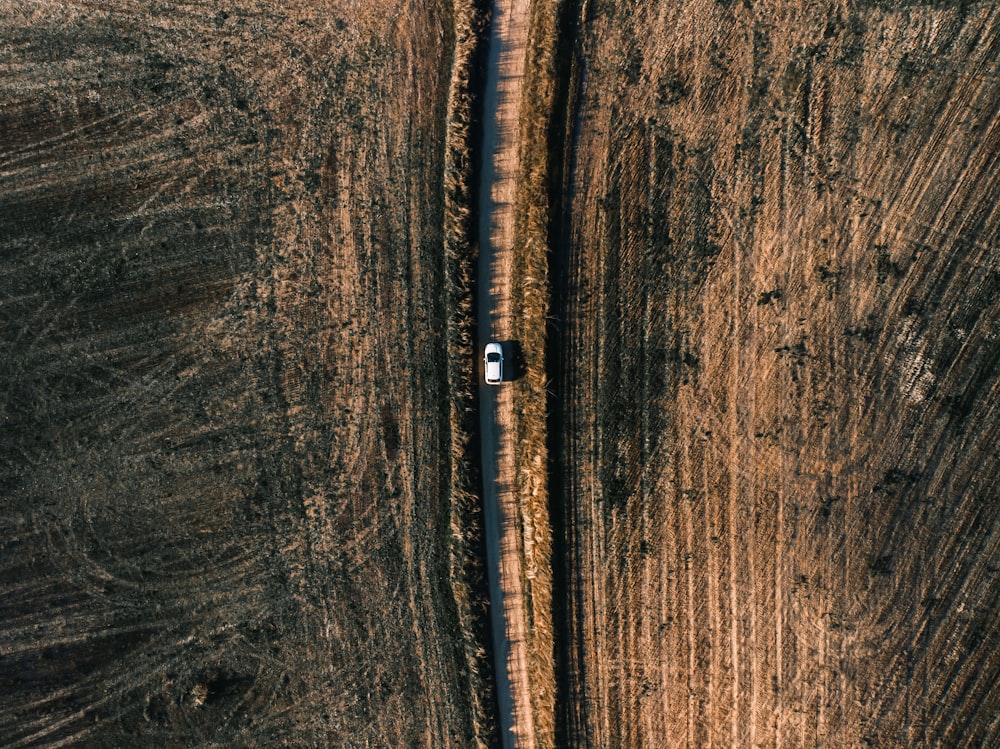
[507, 46]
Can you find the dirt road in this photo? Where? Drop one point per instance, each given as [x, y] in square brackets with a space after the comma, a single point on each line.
[501, 100]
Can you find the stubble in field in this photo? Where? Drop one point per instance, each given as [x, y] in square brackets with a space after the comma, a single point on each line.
[779, 376]
[224, 426]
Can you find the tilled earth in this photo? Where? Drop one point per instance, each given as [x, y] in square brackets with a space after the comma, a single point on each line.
[779, 376]
[223, 401]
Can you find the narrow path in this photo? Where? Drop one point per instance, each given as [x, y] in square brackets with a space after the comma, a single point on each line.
[501, 105]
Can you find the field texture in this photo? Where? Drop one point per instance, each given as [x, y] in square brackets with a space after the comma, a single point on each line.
[226, 419]
[777, 308]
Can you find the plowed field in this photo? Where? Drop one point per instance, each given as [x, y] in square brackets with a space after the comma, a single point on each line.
[225, 490]
[777, 402]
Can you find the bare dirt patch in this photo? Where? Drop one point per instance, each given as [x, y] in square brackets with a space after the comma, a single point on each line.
[776, 291]
[225, 437]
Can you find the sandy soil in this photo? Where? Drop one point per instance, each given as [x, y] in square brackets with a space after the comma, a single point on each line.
[779, 391]
[507, 52]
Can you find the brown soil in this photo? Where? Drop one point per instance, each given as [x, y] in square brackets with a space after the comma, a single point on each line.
[224, 379]
[778, 376]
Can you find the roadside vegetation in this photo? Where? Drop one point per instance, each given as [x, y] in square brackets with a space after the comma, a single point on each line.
[468, 573]
[531, 288]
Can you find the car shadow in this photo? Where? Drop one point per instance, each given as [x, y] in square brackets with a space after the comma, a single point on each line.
[513, 364]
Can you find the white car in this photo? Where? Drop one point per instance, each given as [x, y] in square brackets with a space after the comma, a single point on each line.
[494, 363]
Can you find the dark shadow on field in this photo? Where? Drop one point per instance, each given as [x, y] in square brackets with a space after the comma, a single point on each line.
[570, 721]
[513, 360]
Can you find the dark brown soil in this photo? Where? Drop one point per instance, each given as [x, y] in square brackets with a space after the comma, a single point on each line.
[224, 426]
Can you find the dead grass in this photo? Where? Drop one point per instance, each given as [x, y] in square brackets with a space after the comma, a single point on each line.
[530, 287]
[467, 572]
